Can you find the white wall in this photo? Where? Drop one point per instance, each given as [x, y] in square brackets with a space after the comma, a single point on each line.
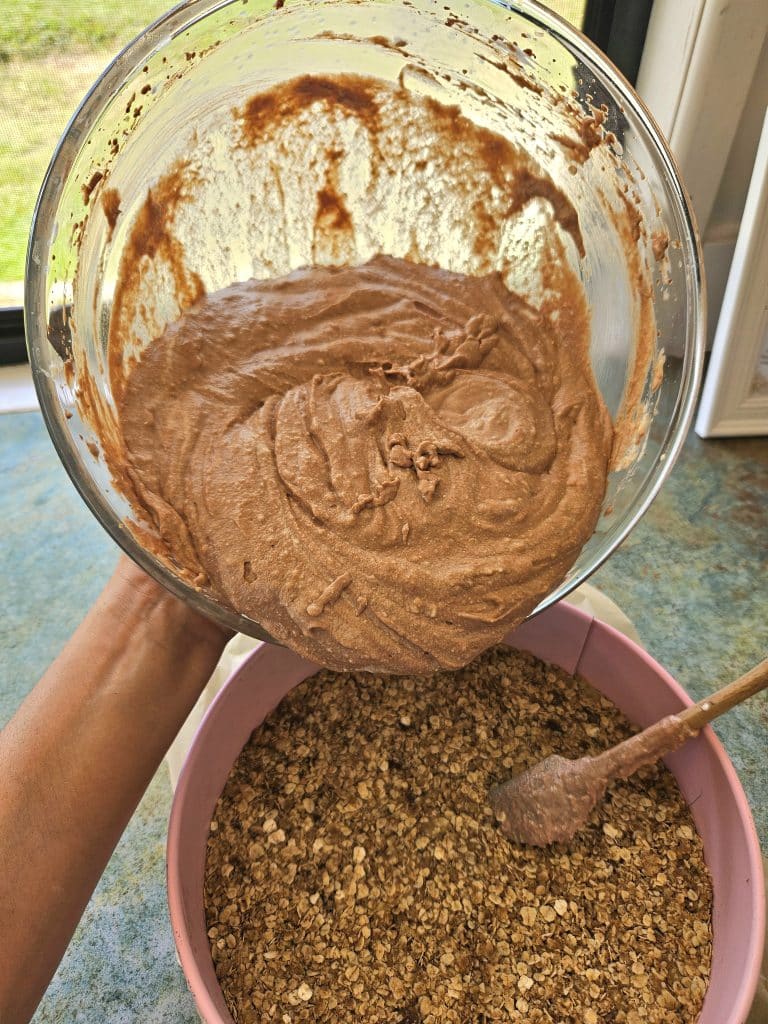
[704, 76]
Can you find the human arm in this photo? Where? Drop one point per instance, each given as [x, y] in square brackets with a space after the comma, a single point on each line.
[75, 760]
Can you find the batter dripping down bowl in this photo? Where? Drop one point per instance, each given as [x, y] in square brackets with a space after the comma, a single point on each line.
[233, 142]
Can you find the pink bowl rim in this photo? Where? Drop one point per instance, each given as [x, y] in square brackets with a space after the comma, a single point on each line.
[189, 963]
[743, 1006]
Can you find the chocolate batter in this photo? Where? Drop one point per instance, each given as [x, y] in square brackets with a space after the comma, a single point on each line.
[387, 466]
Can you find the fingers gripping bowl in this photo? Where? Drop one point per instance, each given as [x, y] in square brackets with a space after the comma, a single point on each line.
[200, 159]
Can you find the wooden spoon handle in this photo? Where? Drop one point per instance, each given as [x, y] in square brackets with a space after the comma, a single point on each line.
[734, 693]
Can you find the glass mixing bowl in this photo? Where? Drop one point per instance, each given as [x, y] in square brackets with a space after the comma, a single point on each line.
[513, 67]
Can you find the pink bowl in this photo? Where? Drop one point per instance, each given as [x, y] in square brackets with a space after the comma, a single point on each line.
[578, 643]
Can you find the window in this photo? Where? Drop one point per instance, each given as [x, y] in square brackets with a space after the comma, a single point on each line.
[50, 53]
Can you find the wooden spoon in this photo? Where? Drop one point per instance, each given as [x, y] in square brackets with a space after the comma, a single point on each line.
[551, 801]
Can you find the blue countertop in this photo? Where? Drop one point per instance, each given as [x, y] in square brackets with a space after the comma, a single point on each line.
[692, 577]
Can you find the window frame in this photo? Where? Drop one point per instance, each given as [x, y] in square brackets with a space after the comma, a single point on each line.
[13, 348]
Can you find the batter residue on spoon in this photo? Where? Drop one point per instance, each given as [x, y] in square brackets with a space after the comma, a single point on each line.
[387, 465]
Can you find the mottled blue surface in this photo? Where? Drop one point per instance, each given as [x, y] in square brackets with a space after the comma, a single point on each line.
[692, 577]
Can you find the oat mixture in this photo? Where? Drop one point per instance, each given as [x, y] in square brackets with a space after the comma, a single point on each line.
[355, 873]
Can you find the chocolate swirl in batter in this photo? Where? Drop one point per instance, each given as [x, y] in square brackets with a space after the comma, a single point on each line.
[387, 466]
